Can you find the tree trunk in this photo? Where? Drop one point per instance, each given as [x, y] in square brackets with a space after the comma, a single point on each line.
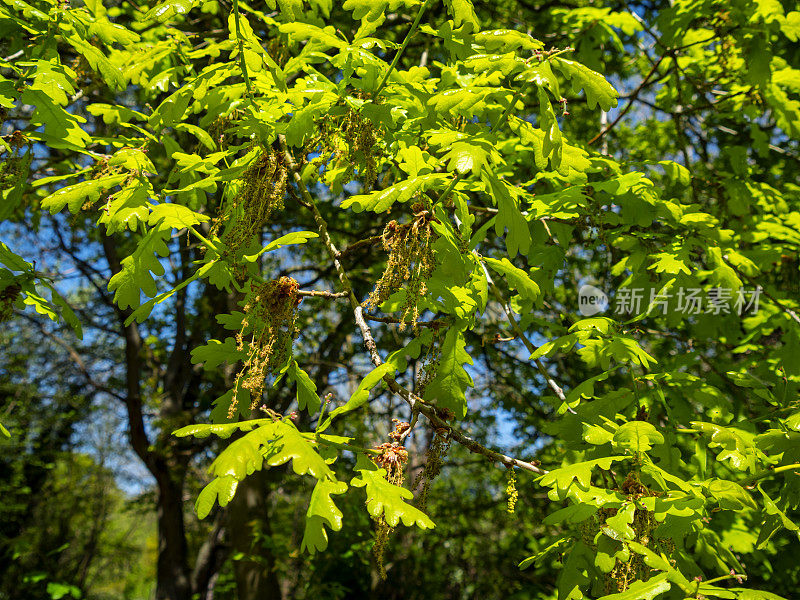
[248, 522]
[172, 574]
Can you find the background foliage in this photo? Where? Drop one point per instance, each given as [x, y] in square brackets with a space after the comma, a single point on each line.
[289, 299]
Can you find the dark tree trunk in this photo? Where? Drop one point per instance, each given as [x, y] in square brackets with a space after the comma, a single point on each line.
[210, 557]
[172, 575]
[256, 578]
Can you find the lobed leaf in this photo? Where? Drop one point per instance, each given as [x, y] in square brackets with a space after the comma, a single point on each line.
[448, 388]
[385, 499]
[322, 511]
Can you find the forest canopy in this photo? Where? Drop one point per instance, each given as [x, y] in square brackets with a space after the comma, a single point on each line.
[399, 299]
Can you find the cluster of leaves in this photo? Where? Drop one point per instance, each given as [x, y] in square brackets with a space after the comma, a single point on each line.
[647, 453]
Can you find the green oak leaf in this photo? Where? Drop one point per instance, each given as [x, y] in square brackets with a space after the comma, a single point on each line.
[361, 395]
[76, 195]
[382, 200]
[448, 387]
[322, 511]
[598, 90]
[221, 489]
[638, 436]
[517, 278]
[509, 216]
[385, 499]
[135, 276]
[581, 472]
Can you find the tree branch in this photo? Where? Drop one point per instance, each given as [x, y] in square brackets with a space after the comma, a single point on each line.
[320, 294]
[75, 356]
[436, 323]
[133, 365]
[631, 100]
[528, 344]
[360, 244]
[416, 403]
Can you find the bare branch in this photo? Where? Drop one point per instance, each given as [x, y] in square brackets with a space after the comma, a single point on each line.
[320, 294]
[74, 355]
[436, 323]
[631, 99]
[360, 244]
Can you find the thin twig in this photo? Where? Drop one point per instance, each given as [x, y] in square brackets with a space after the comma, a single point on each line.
[449, 188]
[75, 356]
[782, 306]
[517, 95]
[435, 323]
[399, 53]
[411, 425]
[767, 472]
[360, 244]
[321, 294]
[521, 334]
[11, 57]
[631, 100]
[788, 311]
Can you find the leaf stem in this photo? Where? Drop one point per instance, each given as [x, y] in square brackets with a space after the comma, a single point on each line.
[724, 577]
[207, 243]
[397, 56]
[768, 472]
[242, 62]
[449, 188]
[517, 95]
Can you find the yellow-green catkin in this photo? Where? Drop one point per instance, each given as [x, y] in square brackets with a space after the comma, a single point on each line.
[262, 191]
[268, 328]
[511, 491]
[379, 549]
[433, 465]
[350, 148]
[410, 265]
